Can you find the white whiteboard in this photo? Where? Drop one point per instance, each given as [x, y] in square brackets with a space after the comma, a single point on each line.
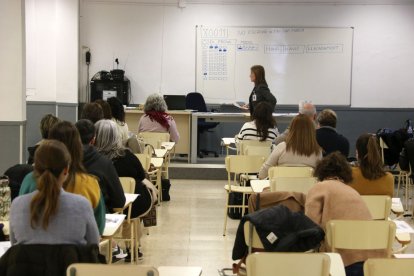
[300, 63]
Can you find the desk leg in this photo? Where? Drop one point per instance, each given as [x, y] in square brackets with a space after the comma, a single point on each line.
[194, 128]
[159, 185]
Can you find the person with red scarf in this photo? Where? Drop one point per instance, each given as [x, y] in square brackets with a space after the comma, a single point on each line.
[156, 118]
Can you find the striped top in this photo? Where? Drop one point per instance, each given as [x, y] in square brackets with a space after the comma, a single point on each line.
[249, 132]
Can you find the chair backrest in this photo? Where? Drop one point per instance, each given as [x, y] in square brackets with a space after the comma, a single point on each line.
[255, 147]
[109, 270]
[251, 240]
[292, 184]
[243, 163]
[195, 101]
[128, 184]
[288, 264]
[360, 234]
[154, 138]
[383, 146]
[386, 267]
[378, 205]
[145, 160]
[293, 171]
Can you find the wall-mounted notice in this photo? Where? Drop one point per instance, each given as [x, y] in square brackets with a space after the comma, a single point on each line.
[301, 63]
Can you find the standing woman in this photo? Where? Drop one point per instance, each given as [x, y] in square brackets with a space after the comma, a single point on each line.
[369, 177]
[118, 116]
[300, 148]
[156, 118]
[262, 127]
[47, 215]
[260, 92]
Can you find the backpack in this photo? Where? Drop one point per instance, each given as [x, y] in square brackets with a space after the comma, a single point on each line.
[5, 198]
[394, 139]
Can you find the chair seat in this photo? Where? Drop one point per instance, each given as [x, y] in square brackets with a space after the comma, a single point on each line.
[238, 189]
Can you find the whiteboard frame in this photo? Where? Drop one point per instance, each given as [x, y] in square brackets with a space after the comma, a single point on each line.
[199, 27]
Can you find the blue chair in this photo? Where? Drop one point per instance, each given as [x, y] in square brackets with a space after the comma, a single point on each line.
[195, 101]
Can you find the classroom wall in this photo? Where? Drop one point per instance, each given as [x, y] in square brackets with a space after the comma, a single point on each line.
[52, 40]
[156, 43]
[12, 80]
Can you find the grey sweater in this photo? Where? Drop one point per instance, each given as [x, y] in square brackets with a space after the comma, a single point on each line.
[73, 223]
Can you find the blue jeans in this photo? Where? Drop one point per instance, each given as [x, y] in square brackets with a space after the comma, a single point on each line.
[355, 269]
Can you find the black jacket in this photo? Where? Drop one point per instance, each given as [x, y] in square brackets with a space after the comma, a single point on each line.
[100, 166]
[331, 141]
[45, 259]
[263, 94]
[407, 156]
[129, 166]
[295, 232]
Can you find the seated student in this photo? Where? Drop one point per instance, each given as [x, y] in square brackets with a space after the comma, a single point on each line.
[369, 177]
[300, 148]
[50, 215]
[100, 166]
[108, 143]
[106, 108]
[332, 198]
[305, 108]
[262, 127]
[327, 136]
[156, 118]
[78, 181]
[92, 112]
[118, 116]
[47, 122]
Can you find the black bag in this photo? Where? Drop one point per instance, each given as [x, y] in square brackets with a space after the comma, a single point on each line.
[236, 199]
[166, 185]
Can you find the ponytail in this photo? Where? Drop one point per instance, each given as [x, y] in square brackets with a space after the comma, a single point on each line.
[370, 160]
[51, 159]
[44, 204]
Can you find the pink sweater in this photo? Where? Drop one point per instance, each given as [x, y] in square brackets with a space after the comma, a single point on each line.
[331, 199]
[146, 124]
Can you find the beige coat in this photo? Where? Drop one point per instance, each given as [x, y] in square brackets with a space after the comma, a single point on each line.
[332, 199]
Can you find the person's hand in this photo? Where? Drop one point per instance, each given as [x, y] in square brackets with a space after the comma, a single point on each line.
[245, 107]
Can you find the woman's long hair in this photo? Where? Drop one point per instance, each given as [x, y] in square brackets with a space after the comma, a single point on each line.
[259, 73]
[68, 134]
[262, 115]
[369, 157]
[51, 158]
[117, 109]
[301, 138]
[108, 140]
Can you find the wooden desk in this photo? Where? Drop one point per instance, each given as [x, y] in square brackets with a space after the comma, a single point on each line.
[112, 224]
[258, 185]
[337, 266]
[181, 118]
[180, 270]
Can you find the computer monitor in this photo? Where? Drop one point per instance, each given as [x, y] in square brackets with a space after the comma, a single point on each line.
[175, 102]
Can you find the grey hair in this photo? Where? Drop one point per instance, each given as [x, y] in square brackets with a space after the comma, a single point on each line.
[108, 139]
[155, 102]
[307, 108]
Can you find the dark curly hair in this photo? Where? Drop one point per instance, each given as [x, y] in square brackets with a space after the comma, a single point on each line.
[334, 165]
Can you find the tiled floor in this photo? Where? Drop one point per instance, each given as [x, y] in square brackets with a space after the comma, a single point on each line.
[189, 231]
[190, 228]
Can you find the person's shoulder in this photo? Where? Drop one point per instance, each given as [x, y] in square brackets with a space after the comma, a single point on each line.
[88, 180]
[73, 199]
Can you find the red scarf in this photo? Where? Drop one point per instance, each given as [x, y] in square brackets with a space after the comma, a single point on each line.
[161, 117]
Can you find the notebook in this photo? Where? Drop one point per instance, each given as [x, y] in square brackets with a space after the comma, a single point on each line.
[175, 102]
